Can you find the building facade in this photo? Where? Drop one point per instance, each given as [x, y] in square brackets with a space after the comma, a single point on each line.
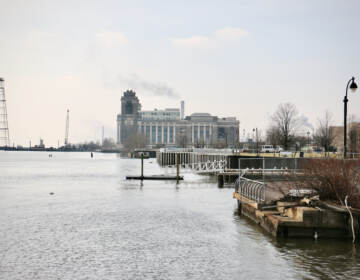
[167, 128]
[353, 137]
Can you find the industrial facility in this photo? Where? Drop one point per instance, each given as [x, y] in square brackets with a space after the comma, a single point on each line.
[171, 128]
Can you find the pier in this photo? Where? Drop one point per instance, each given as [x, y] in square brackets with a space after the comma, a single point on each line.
[228, 165]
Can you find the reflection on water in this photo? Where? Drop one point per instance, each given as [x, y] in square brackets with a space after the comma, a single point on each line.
[99, 226]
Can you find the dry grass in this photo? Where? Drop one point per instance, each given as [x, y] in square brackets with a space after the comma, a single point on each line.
[333, 179]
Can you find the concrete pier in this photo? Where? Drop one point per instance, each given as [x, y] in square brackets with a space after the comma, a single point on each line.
[289, 219]
[227, 166]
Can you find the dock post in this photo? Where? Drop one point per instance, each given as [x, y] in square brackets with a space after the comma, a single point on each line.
[263, 171]
[220, 181]
[142, 166]
[177, 167]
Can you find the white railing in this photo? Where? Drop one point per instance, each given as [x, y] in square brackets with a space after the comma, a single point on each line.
[202, 151]
[203, 167]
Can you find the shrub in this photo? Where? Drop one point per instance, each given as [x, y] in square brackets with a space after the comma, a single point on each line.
[334, 179]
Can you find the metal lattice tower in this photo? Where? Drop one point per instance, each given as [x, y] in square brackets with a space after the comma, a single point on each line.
[4, 127]
[67, 128]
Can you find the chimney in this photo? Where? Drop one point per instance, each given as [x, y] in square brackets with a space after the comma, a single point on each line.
[182, 111]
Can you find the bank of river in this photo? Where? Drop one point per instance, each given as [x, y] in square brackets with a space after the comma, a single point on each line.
[99, 226]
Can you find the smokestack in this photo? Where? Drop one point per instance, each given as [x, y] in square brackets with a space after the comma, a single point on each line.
[182, 112]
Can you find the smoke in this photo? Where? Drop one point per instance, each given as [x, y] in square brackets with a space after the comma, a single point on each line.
[305, 122]
[135, 82]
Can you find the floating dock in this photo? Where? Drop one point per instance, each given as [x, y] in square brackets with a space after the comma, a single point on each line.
[155, 177]
[177, 177]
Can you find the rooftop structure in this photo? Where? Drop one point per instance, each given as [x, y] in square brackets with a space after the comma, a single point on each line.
[169, 114]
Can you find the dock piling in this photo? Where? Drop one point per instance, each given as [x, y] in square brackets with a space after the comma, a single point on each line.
[142, 165]
[177, 167]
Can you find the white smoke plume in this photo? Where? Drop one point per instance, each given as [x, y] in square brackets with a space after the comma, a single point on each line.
[135, 82]
[304, 120]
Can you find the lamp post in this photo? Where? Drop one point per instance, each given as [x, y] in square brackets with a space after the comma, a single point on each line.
[308, 135]
[353, 86]
[257, 141]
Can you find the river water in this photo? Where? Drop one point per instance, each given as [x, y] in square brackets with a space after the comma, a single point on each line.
[97, 225]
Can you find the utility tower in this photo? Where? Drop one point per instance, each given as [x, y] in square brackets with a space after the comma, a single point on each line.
[4, 127]
[67, 128]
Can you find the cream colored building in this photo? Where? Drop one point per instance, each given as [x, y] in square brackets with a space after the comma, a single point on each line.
[353, 137]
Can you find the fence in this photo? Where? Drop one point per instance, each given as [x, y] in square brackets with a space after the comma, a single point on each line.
[269, 163]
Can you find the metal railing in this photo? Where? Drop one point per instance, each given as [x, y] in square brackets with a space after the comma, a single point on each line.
[209, 166]
[203, 167]
[251, 189]
[201, 151]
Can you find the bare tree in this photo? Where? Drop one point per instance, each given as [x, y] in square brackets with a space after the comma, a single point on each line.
[300, 142]
[353, 125]
[324, 136]
[354, 137]
[108, 143]
[287, 120]
[273, 136]
[134, 141]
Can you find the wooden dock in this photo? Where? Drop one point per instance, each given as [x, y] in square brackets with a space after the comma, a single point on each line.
[177, 177]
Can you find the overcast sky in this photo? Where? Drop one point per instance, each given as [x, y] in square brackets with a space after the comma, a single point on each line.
[228, 58]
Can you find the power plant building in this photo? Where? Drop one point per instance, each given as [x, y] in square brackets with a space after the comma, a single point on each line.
[170, 128]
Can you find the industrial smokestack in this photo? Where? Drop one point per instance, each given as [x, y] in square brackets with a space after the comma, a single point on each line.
[182, 111]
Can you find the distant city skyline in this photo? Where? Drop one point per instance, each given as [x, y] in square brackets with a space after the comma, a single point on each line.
[233, 58]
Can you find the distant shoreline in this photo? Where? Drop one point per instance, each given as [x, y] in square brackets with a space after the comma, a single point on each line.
[56, 150]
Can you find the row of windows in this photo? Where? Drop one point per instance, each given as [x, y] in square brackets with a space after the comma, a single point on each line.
[203, 129]
[157, 135]
[161, 114]
[165, 134]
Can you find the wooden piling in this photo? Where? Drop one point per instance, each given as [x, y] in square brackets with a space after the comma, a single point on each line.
[177, 167]
[220, 181]
[142, 165]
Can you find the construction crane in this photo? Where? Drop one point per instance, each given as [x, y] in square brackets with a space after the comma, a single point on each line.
[67, 128]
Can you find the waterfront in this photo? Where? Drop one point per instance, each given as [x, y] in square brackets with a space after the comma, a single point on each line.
[99, 226]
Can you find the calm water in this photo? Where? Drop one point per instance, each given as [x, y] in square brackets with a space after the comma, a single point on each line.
[99, 226]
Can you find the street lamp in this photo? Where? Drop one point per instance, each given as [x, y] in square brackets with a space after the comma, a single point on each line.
[257, 141]
[353, 86]
[308, 135]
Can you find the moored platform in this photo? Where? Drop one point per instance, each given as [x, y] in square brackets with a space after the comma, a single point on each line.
[155, 177]
[292, 219]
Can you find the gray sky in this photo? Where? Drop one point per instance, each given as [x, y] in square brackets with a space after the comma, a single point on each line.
[228, 58]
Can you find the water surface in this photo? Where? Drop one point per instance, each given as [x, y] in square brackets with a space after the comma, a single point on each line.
[97, 225]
